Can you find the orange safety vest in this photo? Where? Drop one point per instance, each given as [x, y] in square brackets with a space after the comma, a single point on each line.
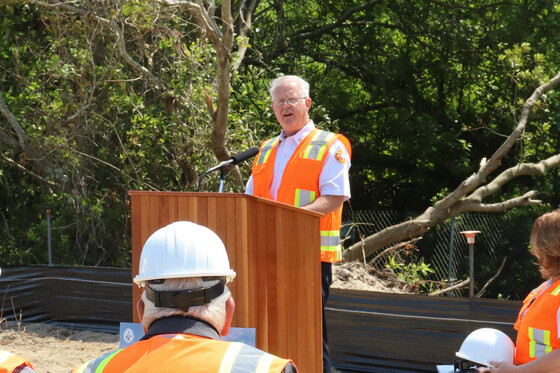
[9, 362]
[537, 329]
[300, 182]
[185, 353]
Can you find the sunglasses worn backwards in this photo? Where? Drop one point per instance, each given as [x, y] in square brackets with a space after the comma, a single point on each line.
[289, 101]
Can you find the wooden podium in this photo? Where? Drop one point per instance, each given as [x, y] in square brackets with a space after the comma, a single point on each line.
[275, 250]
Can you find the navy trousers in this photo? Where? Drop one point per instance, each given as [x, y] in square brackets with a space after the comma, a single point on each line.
[326, 281]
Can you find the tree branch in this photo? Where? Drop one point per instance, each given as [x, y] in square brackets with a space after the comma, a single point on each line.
[481, 292]
[25, 170]
[523, 169]
[316, 32]
[22, 136]
[456, 202]
[454, 287]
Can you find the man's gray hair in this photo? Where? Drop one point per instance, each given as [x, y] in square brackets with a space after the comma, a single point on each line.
[303, 85]
[213, 312]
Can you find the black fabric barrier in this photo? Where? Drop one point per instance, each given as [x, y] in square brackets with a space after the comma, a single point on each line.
[92, 298]
[393, 333]
[368, 331]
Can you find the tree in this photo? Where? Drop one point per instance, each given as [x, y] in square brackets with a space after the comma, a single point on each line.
[469, 195]
[418, 87]
[102, 97]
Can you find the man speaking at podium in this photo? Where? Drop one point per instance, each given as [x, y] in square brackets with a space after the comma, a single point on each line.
[308, 168]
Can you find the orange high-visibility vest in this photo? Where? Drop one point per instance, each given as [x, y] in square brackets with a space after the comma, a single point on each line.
[185, 353]
[537, 329]
[9, 362]
[300, 182]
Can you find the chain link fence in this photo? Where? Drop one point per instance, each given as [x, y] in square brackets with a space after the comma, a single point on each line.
[503, 266]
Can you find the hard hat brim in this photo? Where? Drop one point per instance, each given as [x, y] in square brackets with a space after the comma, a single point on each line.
[140, 280]
[465, 357]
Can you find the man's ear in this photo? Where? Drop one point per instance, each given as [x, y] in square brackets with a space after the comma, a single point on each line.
[140, 309]
[230, 308]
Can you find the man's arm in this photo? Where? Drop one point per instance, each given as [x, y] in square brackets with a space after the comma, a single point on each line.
[325, 204]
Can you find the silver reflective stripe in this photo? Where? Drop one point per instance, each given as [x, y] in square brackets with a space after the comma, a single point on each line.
[541, 342]
[241, 358]
[248, 360]
[316, 145]
[330, 240]
[92, 365]
[265, 151]
[305, 197]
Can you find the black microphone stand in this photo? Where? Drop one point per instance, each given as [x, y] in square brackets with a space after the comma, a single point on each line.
[223, 174]
[222, 178]
[238, 158]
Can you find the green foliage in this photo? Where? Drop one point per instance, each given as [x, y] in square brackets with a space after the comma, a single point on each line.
[423, 89]
[413, 271]
[103, 127]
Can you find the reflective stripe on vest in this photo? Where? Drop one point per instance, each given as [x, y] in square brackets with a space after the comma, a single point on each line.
[304, 197]
[238, 358]
[241, 358]
[330, 241]
[97, 365]
[318, 145]
[266, 149]
[540, 342]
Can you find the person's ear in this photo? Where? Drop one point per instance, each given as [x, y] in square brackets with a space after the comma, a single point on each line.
[140, 309]
[308, 102]
[230, 308]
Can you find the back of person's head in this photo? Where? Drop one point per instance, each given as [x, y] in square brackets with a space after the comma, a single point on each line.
[183, 269]
[214, 312]
[303, 85]
[545, 243]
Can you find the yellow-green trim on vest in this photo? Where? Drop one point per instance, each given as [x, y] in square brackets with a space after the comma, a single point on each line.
[303, 197]
[316, 148]
[540, 342]
[266, 149]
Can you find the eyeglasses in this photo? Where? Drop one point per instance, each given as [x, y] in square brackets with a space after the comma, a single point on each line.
[289, 101]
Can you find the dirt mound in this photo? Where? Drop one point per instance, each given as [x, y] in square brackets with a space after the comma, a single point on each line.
[357, 276]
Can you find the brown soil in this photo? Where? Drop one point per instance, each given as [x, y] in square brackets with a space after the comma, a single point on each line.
[52, 349]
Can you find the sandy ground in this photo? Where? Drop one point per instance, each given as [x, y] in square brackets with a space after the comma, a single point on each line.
[53, 349]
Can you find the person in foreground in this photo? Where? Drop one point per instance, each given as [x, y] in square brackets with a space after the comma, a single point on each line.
[308, 168]
[185, 308]
[538, 323]
[10, 363]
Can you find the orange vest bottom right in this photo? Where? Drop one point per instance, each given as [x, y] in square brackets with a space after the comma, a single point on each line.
[536, 325]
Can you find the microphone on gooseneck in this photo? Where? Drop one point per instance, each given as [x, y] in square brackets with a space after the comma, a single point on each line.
[235, 159]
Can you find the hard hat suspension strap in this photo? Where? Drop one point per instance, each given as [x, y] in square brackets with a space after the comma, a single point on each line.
[185, 299]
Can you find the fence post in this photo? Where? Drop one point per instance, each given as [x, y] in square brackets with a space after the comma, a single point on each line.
[49, 235]
[451, 249]
[470, 240]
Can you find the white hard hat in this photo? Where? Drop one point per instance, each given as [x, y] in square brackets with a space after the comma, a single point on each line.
[183, 249]
[485, 345]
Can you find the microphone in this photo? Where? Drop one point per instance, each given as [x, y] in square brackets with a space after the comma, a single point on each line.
[238, 158]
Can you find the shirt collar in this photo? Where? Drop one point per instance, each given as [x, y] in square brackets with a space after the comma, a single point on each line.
[301, 134]
[182, 325]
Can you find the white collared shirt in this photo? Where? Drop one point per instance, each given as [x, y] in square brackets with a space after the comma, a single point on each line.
[334, 176]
